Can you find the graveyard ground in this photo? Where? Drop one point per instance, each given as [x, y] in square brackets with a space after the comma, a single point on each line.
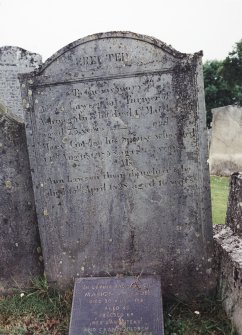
[219, 195]
[43, 311]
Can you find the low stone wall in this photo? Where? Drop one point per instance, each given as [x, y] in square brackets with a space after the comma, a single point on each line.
[228, 253]
[234, 212]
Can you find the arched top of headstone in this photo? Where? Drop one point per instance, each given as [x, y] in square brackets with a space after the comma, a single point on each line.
[107, 54]
[115, 34]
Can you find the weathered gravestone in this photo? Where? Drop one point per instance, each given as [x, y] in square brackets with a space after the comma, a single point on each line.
[116, 138]
[112, 305]
[19, 240]
[14, 60]
[18, 224]
[225, 155]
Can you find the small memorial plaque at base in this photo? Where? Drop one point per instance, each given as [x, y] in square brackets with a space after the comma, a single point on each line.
[114, 305]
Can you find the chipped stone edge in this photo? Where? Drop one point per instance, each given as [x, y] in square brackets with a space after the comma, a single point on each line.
[231, 243]
[6, 113]
[6, 48]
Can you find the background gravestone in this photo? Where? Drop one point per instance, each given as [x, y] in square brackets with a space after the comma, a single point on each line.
[118, 149]
[225, 156]
[18, 230]
[14, 60]
[19, 241]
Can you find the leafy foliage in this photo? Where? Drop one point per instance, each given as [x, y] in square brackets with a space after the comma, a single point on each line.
[217, 92]
[232, 66]
[223, 81]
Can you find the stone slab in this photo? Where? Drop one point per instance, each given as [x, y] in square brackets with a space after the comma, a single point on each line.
[116, 132]
[19, 238]
[14, 60]
[225, 156]
[112, 305]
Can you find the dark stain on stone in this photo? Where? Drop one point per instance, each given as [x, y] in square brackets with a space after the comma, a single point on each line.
[236, 274]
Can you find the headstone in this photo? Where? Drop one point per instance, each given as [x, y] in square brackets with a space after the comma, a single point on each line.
[117, 306]
[118, 150]
[14, 60]
[225, 156]
[234, 209]
[19, 240]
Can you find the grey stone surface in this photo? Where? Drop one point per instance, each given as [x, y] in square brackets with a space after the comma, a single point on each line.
[225, 155]
[228, 247]
[114, 305]
[14, 60]
[118, 150]
[19, 238]
[234, 210]
[228, 253]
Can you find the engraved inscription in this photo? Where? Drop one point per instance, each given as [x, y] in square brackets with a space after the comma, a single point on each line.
[114, 304]
[94, 59]
[14, 60]
[112, 122]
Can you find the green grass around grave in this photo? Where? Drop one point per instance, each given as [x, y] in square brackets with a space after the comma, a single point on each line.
[40, 310]
[219, 195]
[44, 311]
[203, 317]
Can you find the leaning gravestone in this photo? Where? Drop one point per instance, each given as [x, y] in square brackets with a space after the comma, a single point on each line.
[18, 223]
[117, 305]
[14, 60]
[116, 138]
[19, 241]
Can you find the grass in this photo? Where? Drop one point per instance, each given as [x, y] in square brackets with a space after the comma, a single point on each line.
[40, 310]
[44, 311]
[219, 194]
[203, 317]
